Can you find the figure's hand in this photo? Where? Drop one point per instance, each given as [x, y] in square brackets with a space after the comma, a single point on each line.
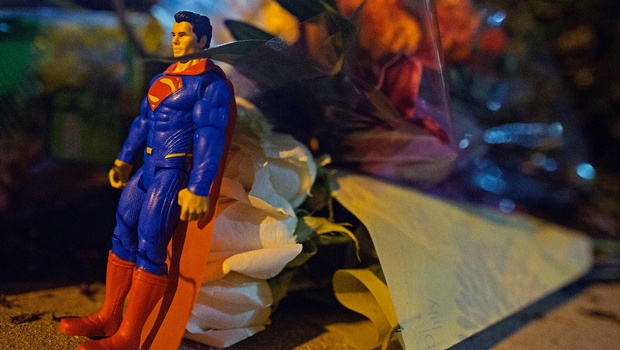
[119, 174]
[193, 206]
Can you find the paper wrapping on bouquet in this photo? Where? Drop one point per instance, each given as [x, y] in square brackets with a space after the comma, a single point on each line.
[455, 269]
[521, 143]
[337, 91]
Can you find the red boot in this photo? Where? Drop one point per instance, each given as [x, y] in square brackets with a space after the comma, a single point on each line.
[106, 321]
[146, 290]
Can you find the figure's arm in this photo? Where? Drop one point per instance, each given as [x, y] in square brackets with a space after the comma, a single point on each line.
[134, 144]
[211, 116]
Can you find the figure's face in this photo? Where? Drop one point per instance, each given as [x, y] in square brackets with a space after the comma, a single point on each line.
[184, 41]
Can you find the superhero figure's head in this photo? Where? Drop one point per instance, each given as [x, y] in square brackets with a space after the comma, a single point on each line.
[191, 33]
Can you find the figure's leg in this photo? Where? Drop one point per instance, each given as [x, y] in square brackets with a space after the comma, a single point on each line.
[106, 321]
[158, 220]
[121, 263]
[146, 290]
[125, 238]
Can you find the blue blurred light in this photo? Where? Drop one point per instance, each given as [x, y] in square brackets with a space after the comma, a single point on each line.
[495, 137]
[491, 183]
[541, 160]
[464, 143]
[507, 205]
[586, 171]
[496, 19]
[550, 164]
[494, 105]
[5, 27]
[556, 129]
[525, 134]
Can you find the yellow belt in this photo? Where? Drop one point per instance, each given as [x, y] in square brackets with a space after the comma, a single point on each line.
[149, 150]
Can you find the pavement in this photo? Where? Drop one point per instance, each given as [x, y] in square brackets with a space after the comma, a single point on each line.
[583, 315]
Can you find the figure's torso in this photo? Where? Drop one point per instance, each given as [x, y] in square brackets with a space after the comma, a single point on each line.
[171, 121]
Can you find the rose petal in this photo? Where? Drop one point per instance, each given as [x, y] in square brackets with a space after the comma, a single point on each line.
[240, 166]
[206, 317]
[263, 195]
[290, 164]
[294, 169]
[233, 303]
[241, 227]
[233, 190]
[220, 338]
[235, 294]
[262, 263]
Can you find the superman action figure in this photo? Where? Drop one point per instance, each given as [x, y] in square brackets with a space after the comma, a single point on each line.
[181, 132]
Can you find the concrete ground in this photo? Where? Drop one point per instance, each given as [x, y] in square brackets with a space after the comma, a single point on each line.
[584, 315]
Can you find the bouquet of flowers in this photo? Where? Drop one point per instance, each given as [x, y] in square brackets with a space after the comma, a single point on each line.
[359, 83]
[332, 81]
[340, 93]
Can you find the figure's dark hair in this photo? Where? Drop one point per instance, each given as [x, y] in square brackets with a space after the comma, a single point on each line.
[201, 25]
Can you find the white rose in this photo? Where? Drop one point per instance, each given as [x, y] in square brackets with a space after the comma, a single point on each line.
[267, 176]
[230, 310]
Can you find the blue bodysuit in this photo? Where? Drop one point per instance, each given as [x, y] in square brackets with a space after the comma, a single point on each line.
[180, 130]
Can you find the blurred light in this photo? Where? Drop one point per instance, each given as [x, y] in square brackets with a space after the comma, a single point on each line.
[491, 183]
[5, 27]
[496, 19]
[556, 129]
[586, 171]
[541, 160]
[495, 137]
[494, 105]
[584, 77]
[550, 165]
[577, 38]
[524, 134]
[507, 205]
[464, 143]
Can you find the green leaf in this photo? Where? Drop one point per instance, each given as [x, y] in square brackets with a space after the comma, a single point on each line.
[303, 231]
[245, 31]
[230, 51]
[280, 285]
[309, 249]
[324, 226]
[332, 238]
[320, 194]
[276, 64]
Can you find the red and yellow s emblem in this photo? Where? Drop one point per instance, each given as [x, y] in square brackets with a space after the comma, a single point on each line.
[162, 88]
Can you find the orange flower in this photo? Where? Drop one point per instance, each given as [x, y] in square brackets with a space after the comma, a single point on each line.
[389, 36]
[387, 29]
[458, 21]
